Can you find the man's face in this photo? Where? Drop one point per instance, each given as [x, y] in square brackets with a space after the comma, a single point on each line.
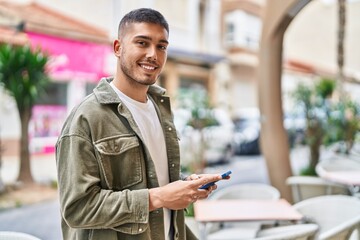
[142, 52]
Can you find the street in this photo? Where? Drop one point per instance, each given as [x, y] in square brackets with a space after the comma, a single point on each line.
[41, 220]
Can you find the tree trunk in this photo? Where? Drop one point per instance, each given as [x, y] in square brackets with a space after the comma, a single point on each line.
[2, 185]
[315, 135]
[25, 168]
[340, 45]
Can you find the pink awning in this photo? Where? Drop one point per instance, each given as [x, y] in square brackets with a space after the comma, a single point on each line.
[73, 60]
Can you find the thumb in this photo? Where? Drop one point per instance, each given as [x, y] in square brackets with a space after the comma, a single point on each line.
[204, 180]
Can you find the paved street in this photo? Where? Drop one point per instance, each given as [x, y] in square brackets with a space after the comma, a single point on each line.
[43, 220]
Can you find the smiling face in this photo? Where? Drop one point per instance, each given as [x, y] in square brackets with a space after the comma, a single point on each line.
[141, 53]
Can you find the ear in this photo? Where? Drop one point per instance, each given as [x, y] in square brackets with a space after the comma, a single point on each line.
[117, 47]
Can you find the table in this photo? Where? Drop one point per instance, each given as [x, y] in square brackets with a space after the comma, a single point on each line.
[242, 210]
[348, 178]
[342, 171]
[343, 177]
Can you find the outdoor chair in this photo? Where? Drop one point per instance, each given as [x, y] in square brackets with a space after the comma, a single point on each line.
[337, 164]
[337, 215]
[240, 191]
[7, 235]
[292, 232]
[304, 187]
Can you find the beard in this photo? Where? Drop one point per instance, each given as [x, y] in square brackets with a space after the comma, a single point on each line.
[135, 76]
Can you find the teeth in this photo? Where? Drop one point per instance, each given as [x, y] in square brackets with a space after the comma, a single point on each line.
[148, 67]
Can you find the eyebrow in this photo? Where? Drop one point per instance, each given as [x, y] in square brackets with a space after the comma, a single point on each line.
[150, 39]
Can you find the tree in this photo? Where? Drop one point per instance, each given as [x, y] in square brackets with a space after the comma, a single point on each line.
[23, 75]
[315, 103]
[340, 45]
[196, 101]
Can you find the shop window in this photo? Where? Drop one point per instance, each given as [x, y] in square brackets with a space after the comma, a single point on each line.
[55, 94]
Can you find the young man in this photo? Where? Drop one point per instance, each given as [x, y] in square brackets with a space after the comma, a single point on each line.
[118, 155]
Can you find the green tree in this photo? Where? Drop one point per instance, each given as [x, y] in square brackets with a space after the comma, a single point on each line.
[344, 124]
[197, 102]
[23, 75]
[314, 101]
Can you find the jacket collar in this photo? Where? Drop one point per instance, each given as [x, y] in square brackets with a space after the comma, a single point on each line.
[106, 95]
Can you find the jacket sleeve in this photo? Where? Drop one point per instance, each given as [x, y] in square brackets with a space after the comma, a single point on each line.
[84, 204]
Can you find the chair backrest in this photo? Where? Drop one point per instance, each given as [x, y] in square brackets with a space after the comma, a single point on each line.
[8, 235]
[338, 164]
[291, 232]
[247, 191]
[304, 187]
[336, 215]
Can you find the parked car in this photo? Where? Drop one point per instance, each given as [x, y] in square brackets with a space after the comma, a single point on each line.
[248, 129]
[217, 138]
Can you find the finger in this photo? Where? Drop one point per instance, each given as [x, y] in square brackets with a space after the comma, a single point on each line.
[193, 177]
[205, 179]
[195, 197]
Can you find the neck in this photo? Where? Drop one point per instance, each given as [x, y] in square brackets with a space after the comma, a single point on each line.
[137, 92]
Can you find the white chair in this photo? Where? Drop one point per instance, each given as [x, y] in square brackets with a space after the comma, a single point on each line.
[337, 215]
[225, 231]
[7, 235]
[304, 187]
[292, 232]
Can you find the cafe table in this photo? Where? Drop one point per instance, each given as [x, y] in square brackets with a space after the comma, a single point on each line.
[342, 174]
[241, 210]
[349, 178]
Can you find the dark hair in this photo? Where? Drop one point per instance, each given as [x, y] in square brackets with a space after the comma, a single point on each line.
[140, 15]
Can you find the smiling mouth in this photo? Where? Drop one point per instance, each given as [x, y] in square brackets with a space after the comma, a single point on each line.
[147, 67]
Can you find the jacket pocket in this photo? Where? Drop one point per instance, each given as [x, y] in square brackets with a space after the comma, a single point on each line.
[120, 160]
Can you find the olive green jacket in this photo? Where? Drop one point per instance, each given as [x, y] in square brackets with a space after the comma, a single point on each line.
[105, 171]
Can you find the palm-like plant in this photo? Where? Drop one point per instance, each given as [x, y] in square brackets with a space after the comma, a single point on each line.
[23, 75]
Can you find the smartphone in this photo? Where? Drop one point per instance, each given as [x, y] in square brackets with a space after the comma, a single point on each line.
[206, 186]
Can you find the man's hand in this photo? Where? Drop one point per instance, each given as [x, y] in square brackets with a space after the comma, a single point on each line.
[179, 194]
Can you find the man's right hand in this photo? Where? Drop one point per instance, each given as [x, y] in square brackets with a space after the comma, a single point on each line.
[178, 195]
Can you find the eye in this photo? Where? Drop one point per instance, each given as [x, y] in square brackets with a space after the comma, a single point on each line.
[141, 43]
[162, 47]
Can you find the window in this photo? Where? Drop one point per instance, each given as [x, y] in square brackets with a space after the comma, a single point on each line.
[242, 29]
[55, 94]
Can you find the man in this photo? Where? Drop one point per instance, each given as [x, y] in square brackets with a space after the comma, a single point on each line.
[118, 157]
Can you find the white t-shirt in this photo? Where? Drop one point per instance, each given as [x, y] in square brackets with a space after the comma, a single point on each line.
[148, 122]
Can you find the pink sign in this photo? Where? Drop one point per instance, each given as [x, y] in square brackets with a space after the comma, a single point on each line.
[45, 127]
[72, 59]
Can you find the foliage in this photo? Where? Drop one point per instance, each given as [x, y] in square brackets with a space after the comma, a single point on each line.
[328, 120]
[22, 72]
[314, 101]
[344, 123]
[189, 211]
[196, 101]
[23, 75]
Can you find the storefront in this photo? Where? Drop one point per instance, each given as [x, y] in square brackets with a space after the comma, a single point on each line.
[75, 67]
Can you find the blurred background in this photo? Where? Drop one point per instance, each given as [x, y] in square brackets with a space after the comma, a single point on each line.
[215, 74]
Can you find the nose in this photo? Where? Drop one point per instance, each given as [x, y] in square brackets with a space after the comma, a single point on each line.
[151, 53]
